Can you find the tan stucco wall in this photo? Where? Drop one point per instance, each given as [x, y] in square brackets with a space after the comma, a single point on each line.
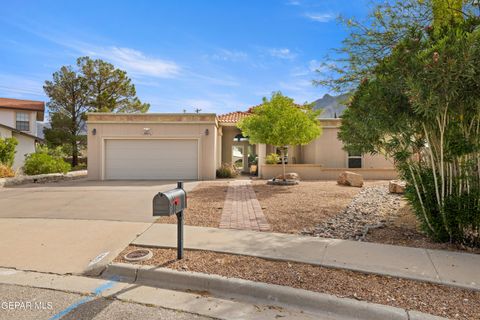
[327, 150]
[317, 172]
[161, 126]
[229, 132]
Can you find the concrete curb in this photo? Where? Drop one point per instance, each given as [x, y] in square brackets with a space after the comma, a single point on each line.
[256, 292]
[42, 178]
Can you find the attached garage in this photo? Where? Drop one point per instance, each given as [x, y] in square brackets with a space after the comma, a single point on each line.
[152, 146]
[152, 159]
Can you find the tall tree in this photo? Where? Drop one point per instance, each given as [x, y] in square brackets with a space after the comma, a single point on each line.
[110, 90]
[280, 122]
[93, 86]
[69, 100]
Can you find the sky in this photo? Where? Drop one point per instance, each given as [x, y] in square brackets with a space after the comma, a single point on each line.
[218, 56]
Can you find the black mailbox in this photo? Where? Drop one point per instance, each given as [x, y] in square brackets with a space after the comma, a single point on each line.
[169, 203]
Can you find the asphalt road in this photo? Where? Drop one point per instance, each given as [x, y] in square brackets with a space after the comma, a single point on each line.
[39, 304]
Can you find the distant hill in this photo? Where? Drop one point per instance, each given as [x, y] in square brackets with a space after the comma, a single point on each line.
[332, 106]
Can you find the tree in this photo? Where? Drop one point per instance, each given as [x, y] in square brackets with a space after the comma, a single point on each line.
[280, 122]
[420, 105]
[110, 90]
[93, 86]
[69, 102]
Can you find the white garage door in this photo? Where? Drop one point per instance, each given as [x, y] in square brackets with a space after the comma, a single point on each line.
[151, 159]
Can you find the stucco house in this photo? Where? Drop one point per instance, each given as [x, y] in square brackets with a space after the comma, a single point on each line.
[192, 146]
[18, 119]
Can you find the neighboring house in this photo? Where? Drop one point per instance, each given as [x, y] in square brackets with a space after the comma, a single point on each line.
[193, 146]
[18, 119]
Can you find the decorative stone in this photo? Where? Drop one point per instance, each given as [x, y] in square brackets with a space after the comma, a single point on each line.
[397, 186]
[289, 176]
[281, 182]
[348, 178]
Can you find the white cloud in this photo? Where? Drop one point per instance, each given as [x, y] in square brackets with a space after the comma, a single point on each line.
[135, 62]
[229, 55]
[320, 17]
[16, 86]
[282, 53]
[293, 3]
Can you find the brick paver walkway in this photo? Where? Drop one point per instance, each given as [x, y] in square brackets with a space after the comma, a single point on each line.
[242, 209]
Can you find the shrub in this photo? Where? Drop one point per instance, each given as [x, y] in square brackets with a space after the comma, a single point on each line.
[7, 151]
[41, 163]
[458, 219]
[272, 158]
[227, 170]
[6, 171]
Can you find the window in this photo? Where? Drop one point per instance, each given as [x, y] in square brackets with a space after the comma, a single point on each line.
[354, 160]
[23, 121]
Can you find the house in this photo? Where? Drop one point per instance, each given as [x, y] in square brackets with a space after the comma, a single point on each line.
[192, 146]
[18, 119]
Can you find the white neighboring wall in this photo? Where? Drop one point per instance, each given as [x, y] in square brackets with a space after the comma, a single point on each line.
[26, 145]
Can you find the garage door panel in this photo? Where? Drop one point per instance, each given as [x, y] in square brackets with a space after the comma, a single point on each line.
[151, 159]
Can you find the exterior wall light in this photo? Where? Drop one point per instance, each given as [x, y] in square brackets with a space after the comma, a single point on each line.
[94, 131]
[207, 132]
[146, 131]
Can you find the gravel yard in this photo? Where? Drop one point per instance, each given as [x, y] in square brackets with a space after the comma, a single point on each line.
[204, 205]
[295, 209]
[414, 295]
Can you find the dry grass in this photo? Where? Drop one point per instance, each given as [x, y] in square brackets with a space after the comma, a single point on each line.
[204, 205]
[413, 295]
[404, 230]
[291, 209]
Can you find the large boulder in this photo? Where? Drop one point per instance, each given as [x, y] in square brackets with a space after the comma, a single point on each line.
[348, 178]
[288, 176]
[397, 186]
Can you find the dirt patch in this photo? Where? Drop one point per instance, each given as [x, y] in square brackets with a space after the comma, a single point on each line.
[403, 229]
[204, 205]
[295, 209]
[413, 295]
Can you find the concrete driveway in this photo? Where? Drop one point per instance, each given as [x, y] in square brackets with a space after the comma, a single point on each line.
[84, 199]
[74, 227]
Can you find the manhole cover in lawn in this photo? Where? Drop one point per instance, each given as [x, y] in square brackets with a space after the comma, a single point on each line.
[138, 255]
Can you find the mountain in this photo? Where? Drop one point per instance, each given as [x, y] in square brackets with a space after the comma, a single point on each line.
[332, 106]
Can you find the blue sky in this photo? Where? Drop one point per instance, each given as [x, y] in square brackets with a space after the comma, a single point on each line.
[219, 56]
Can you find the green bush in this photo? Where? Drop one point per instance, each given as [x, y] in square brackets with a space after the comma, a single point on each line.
[7, 151]
[41, 163]
[272, 158]
[227, 170]
[457, 219]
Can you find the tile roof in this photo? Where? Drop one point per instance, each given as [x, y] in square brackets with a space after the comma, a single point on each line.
[22, 104]
[233, 117]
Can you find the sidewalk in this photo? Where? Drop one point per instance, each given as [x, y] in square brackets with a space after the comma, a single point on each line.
[443, 267]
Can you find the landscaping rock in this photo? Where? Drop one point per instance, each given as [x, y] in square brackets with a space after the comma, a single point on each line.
[348, 178]
[371, 208]
[397, 186]
[42, 178]
[281, 182]
[289, 176]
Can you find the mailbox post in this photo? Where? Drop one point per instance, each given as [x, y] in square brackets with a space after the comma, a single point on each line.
[169, 203]
[180, 225]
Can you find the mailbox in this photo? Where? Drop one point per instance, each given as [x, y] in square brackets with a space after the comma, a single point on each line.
[170, 202]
